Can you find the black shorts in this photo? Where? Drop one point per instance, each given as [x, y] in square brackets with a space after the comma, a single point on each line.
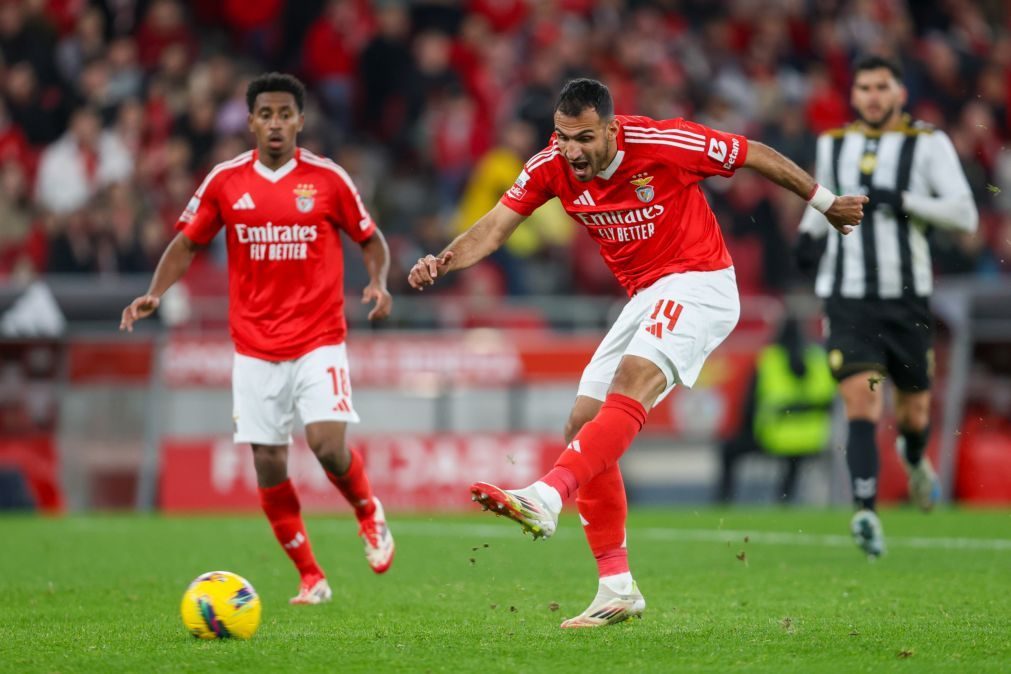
[894, 337]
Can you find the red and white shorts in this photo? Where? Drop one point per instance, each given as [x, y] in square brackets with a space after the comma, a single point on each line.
[266, 394]
[674, 323]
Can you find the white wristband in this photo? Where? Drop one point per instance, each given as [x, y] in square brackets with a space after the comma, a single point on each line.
[822, 199]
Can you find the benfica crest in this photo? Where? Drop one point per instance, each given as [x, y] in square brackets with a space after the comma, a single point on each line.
[305, 197]
[643, 189]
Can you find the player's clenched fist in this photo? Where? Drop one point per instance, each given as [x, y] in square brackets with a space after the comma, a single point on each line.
[142, 307]
[427, 269]
[846, 212]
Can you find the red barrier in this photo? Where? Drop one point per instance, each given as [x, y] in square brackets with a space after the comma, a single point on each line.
[116, 362]
[487, 358]
[407, 472]
[484, 358]
[983, 475]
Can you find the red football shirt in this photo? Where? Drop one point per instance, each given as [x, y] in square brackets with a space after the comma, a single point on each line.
[285, 266]
[646, 210]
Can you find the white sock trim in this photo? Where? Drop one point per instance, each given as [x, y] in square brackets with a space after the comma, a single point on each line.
[549, 495]
[619, 582]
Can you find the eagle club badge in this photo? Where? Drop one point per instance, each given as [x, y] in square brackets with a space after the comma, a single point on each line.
[643, 189]
[305, 197]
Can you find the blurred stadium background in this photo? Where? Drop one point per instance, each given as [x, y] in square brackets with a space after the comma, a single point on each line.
[111, 113]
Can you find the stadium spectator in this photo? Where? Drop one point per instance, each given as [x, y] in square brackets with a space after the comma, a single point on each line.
[40, 113]
[13, 144]
[330, 57]
[126, 80]
[164, 27]
[84, 45]
[26, 37]
[72, 248]
[385, 69]
[540, 235]
[80, 163]
[22, 240]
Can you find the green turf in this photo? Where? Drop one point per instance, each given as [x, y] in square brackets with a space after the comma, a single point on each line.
[101, 594]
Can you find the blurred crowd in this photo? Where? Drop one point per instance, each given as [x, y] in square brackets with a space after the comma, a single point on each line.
[112, 112]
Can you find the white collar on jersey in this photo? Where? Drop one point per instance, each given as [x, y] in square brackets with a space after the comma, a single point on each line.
[275, 175]
[613, 166]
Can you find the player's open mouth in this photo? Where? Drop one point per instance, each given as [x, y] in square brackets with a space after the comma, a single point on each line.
[275, 141]
[581, 167]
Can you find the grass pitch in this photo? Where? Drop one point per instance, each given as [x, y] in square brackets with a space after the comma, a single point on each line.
[726, 590]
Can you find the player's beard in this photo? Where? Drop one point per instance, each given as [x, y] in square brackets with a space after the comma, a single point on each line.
[599, 162]
[881, 122]
[603, 161]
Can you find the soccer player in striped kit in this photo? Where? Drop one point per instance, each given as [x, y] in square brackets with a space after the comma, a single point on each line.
[632, 183]
[284, 210]
[876, 286]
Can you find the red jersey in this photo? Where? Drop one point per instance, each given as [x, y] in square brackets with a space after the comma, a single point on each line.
[285, 264]
[646, 210]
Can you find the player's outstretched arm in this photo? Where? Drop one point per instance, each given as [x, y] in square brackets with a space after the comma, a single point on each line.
[844, 212]
[482, 239]
[173, 264]
[377, 262]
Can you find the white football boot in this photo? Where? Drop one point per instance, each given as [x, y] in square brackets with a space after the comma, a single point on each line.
[317, 593]
[521, 505]
[924, 487]
[610, 607]
[868, 533]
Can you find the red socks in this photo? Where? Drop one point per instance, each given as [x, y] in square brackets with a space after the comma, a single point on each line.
[355, 487]
[589, 468]
[603, 510]
[598, 445]
[280, 504]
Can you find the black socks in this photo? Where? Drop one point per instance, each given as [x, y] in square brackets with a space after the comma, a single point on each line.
[915, 442]
[862, 459]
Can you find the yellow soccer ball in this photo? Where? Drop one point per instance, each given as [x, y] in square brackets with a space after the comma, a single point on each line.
[221, 605]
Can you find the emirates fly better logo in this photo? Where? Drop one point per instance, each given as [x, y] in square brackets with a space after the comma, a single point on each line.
[276, 242]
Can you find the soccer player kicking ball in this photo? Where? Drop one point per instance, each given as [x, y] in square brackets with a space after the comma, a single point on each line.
[632, 182]
[283, 209]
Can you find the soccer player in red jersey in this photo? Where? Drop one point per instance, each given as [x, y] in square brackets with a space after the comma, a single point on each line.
[632, 182]
[283, 210]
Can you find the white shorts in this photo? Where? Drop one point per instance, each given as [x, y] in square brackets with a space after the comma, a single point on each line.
[266, 394]
[674, 323]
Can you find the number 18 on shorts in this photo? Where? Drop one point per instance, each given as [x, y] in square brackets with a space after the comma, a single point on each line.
[266, 394]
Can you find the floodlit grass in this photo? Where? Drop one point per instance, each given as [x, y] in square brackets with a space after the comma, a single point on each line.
[727, 590]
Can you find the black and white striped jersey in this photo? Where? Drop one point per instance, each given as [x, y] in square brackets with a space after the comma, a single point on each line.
[914, 169]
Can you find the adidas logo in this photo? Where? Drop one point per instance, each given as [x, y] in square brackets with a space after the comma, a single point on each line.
[585, 199]
[342, 406]
[245, 203]
[656, 329]
[299, 538]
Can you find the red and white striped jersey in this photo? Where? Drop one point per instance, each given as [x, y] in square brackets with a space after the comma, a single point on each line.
[646, 210]
[285, 264]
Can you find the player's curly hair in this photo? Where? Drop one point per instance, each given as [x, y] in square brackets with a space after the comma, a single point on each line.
[282, 82]
[583, 93]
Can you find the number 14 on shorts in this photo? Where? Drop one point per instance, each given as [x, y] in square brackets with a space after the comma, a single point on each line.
[671, 312]
[341, 388]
